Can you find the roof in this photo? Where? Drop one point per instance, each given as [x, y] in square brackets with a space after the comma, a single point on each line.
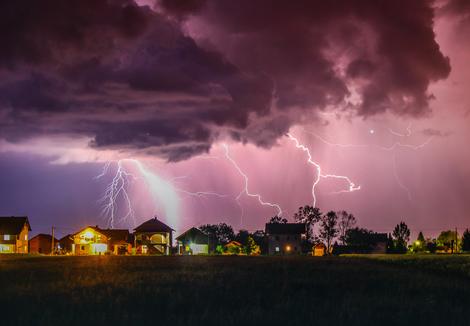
[193, 235]
[153, 225]
[43, 235]
[379, 237]
[13, 224]
[112, 234]
[66, 238]
[116, 234]
[285, 228]
[233, 243]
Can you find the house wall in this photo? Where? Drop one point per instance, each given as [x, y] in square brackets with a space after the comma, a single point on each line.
[284, 244]
[154, 242]
[18, 243]
[40, 245]
[89, 242]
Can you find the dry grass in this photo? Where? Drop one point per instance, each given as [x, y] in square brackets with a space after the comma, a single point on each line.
[352, 290]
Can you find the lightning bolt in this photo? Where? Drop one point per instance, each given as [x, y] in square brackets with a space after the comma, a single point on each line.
[114, 191]
[351, 185]
[245, 189]
[163, 193]
[391, 148]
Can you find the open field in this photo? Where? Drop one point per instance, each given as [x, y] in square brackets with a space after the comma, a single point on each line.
[353, 290]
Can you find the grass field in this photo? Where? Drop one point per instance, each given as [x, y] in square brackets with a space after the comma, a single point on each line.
[353, 290]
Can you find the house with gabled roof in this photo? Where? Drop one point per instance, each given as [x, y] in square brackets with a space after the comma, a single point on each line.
[93, 240]
[285, 238]
[193, 242]
[153, 237]
[42, 244]
[14, 231]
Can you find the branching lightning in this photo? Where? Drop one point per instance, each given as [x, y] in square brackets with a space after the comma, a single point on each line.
[245, 190]
[390, 148]
[351, 185]
[163, 192]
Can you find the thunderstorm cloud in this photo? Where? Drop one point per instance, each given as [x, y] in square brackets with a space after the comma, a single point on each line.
[172, 78]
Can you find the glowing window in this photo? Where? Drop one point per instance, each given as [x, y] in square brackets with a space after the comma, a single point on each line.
[6, 237]
[26, 237]
[277, 249]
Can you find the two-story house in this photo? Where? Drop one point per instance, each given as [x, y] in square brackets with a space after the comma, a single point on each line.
[153, 237]
[93, 240]
[285, 238]
[14, 232]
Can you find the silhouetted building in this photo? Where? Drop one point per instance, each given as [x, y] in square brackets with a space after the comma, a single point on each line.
[42, 244]
[65, 244]
[153, 237]
[193, 242]
[285, 238]
[375, 243]
[14, 232]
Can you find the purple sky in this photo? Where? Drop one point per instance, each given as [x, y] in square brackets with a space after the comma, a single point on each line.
[378, 92]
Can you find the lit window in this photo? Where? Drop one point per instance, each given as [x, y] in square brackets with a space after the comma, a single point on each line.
[277, 249]
[6, 237]
[26, 237]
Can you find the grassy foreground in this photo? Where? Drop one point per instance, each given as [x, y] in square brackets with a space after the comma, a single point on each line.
[353, 290]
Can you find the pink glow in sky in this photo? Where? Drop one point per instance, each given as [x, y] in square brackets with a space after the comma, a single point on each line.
[381, 100]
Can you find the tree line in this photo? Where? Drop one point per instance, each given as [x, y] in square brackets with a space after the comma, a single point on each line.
[336, 230]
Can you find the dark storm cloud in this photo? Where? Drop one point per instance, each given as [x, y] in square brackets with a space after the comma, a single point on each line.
[131, 78]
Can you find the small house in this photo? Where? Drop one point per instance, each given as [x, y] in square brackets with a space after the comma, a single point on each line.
[65, 245]
[319, 250]
[14, 231]
[193, 242]
[233, 248]
[42, 244]
[95, 241]
[153, 237]
[285, 238]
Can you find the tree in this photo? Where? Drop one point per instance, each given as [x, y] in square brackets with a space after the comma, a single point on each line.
[308, 215]
[431, 245]
[219, 234]
[420, 243]
[466, 240]
[260, 239]
[448, 239]
[359, 237]
[278, 219]
[346, 222]
[251, 248]
[401, 236]
[328, 228]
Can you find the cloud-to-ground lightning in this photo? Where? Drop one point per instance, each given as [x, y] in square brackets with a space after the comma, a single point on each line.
[163, 193]
[115, 190]
[351, 185]
[245, 189]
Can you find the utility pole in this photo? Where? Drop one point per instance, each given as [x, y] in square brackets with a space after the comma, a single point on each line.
[52, 241]
[456, 238]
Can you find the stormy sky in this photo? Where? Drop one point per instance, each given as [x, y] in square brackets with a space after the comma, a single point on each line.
[377, 90]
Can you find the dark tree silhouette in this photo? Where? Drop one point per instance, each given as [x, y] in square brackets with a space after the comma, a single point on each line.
[466, 240]
[278, 219]
[329, 228]
[219, 234]
[401, 236]
[448, 239]
[310, 216]
[359, 237]
[346, 222]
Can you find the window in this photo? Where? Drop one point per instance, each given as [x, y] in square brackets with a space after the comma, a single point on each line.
[6, 237]
[25, 237]
[277, 249]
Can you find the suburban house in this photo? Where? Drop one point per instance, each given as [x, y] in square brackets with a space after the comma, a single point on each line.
[65, 244]
[376, 244]
[95, 241]
[14, 234]
[319, 250]
[193, 242]
[153, 237]
[233, 248]
[285, 238]
[42, 244]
